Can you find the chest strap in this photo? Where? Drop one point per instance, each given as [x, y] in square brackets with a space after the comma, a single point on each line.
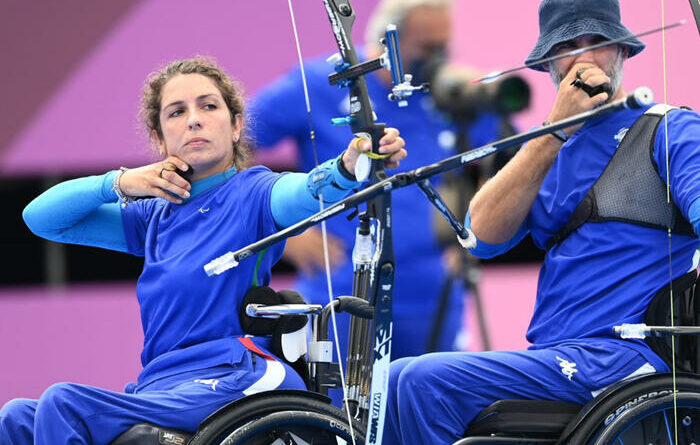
[630, 189]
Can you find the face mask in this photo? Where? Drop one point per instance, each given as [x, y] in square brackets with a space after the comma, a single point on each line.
[425, 68]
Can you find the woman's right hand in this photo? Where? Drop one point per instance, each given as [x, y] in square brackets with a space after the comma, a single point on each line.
[158, 179]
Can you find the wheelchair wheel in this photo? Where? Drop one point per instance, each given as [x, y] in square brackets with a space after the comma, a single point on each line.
[219, 426]
[293, 428]
[653, 422]
[623, 411]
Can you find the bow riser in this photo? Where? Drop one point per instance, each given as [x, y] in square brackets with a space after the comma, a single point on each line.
[372, 388]
[342, 17]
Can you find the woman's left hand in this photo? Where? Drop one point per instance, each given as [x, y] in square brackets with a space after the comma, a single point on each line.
[391, 144]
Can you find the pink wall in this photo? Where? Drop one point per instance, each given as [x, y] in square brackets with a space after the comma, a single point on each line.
[92, 334]
[499, 34]
[71, 96]
[84, 334]
[88, 121]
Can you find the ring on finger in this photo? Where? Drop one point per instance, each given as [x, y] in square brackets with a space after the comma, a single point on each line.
[167, 166]
[578, 83]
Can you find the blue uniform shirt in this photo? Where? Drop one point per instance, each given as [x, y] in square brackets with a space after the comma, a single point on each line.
[177, 241]
[279, 112]
[605, 274]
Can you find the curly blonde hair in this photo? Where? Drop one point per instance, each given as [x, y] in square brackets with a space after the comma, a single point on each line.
[230, 90]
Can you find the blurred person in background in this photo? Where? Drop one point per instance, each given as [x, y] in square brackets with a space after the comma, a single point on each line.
[199, 201]
[279, 113]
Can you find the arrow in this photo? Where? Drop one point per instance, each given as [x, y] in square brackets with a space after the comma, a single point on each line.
[495, 75]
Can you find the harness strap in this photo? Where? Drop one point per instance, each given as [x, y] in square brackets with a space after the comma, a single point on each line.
[630, 189]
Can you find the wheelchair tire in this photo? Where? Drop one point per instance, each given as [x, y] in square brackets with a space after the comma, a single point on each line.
[221, 424]
[293, 427]
[626, 399]
[652, 422]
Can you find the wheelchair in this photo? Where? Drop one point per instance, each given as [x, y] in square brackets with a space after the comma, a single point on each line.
[639, 410]
[281, 416]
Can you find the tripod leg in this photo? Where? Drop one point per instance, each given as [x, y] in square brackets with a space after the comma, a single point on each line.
[445, 292]
[471, 278]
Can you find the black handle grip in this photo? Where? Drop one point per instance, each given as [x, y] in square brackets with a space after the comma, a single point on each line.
[355, 306]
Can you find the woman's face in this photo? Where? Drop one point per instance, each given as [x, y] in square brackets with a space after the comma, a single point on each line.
[196, 125]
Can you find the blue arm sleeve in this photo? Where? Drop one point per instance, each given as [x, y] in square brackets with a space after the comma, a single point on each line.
[295, 195]
[486, 250]
[81, 211]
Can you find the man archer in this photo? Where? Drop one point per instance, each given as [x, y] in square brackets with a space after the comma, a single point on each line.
[594, 197]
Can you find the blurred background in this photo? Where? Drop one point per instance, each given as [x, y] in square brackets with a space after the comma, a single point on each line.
[71, 83]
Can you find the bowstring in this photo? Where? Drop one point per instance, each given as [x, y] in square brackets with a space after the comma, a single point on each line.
[324, 235]
[668, 201]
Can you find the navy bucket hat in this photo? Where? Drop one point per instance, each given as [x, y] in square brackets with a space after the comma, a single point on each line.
[562, 20]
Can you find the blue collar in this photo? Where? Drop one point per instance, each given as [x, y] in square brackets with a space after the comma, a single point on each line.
[205, 184]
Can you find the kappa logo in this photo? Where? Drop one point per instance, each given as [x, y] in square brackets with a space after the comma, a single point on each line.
[621, 135]
[567, 368]
[212, 382]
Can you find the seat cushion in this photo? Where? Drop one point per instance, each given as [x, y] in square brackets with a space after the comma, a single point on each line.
[532, 417]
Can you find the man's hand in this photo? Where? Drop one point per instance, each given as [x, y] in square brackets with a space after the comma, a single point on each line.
[571, 100]
[305, 251]
[158, 179]
[391, 143]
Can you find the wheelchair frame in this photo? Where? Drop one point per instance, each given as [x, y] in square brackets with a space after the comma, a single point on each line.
[612, 413]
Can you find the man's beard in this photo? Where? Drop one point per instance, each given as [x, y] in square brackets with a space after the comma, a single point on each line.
[614, 72]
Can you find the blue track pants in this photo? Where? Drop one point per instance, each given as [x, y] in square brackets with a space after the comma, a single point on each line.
[434, 397]
[75, 414]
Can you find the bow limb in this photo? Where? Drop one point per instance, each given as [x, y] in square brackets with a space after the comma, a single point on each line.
[377, 274]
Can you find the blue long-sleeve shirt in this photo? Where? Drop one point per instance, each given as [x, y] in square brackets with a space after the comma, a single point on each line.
[181, 307]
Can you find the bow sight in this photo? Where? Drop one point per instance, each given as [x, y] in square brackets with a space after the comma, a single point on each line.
[345, 74]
